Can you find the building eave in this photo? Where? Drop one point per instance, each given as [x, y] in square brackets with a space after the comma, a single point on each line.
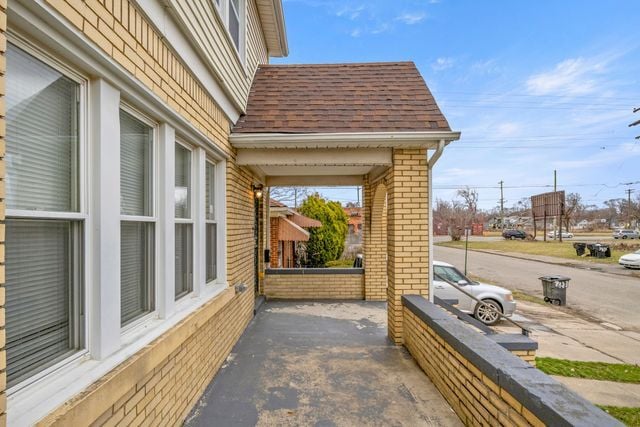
[420, 139]
[272, 18]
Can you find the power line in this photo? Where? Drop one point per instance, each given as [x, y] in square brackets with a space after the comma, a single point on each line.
[524, 95]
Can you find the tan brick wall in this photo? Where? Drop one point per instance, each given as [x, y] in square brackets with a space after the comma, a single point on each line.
[120, 30]
[3, 357]
[375, 241]
[314, 286]
[475, 398]
[408, 233]
[160, 384]
[528, 356]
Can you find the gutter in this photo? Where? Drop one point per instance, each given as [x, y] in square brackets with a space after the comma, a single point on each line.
[281, 28]
[432, 162]
[422, 139]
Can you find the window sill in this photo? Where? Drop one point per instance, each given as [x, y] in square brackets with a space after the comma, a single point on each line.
[34, 401]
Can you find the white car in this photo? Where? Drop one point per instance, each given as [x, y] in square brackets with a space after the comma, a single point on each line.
[499, 298]
[630, 260]
[565, 235]
[626, 234]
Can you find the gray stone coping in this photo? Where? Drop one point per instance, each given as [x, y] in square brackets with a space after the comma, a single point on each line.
[307, 271]
[514, 342]
[545, 397]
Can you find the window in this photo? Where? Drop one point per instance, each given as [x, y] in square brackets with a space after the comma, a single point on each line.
[45, 219]
[184, 222]
[234, 22]
[232, 14]
[448, 273]
[137, 227]
[211, 225]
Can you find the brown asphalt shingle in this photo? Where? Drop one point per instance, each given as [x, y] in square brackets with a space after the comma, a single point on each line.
[372, 97]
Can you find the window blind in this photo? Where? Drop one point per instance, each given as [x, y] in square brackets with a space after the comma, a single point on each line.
[136, 270]
[210, 186]
[184, 260]
[42, 136]
[39, 295]
[136, 151]
[183, 182]
[211, 252]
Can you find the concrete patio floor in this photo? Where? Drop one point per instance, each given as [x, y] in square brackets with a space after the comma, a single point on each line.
[321, 364]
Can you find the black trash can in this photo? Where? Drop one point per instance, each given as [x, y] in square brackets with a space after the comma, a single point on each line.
[604, 251]
[593, 249]
[554, 289]
[580, 248]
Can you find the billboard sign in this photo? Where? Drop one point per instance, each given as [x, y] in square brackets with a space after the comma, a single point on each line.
[548, 204]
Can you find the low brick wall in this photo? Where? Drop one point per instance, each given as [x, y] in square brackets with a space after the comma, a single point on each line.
[162, 382]
[483, 382]
[314, 283]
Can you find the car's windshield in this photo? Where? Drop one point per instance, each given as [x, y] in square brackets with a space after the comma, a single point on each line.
[448, 273]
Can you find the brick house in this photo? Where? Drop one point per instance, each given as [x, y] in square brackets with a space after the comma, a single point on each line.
[288, 228]
[137, 138]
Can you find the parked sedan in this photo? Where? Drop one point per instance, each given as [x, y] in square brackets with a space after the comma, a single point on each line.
[626, 234]
[514, 234]
[630, 260]
[499, 298]
[555, 234]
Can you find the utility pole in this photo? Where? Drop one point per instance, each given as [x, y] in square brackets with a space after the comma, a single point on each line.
[637, 122]
[501, 205]
[629, 191]
[555, 188]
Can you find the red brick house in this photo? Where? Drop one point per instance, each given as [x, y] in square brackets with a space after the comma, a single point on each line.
[287, 231]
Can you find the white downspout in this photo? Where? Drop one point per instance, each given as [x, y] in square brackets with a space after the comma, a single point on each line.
[431, 163]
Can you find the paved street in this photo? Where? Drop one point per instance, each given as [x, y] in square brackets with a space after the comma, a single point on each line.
[611, 298]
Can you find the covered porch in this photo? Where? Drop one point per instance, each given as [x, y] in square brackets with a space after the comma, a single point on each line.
[370, 125]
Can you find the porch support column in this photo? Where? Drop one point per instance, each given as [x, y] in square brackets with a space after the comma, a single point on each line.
[408, 233]
[375, 241]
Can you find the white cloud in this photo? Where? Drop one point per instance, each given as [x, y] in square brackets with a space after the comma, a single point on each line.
[442, 63]
[356, 32]
[351, 12]
[411, 18]
[507, 129]
[574, 76]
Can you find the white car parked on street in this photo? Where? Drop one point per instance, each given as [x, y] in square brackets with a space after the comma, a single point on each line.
[499, 298]
[630, 260]
[565, 235]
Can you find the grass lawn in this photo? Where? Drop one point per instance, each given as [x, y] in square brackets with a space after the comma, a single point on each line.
[618, 372]
[341, 263]
[555, 249]
[628, 416]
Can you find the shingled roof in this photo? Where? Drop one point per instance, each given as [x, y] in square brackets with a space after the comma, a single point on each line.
[332, 98]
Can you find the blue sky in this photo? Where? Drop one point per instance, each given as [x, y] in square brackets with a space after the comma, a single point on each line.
[532, 85]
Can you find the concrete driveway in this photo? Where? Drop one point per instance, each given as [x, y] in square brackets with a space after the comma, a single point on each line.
[608, 297]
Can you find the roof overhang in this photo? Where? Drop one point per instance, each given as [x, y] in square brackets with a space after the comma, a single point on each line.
[273, 26]
[429, 140]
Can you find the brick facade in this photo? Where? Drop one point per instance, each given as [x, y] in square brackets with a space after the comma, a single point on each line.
[314, 286]
[162, 381]
[375, 241]
[160, 384]
[475, 398]
[408, 233]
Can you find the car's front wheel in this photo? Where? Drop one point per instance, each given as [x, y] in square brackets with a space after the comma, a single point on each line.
[513, 237]
[488, 313]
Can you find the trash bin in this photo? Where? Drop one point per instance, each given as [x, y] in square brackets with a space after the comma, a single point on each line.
[554, 289]
[580, 248]
[604, 251]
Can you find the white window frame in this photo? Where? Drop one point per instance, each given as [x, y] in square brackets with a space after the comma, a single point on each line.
[193, 185]
[222, 8]
[80, 217]
[153, 219]
[214, 221]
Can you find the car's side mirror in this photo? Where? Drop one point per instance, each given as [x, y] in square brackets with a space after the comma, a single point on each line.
[462, 283]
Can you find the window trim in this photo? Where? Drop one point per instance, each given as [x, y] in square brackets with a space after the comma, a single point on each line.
[79, 218]
[222, 11]
[216, 215]
[142, 320]
[192, 220]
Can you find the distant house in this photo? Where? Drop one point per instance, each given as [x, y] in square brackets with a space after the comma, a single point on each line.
[355, 224]
[288, 232]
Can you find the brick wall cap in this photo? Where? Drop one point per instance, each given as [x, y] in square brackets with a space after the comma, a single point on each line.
[307, 271]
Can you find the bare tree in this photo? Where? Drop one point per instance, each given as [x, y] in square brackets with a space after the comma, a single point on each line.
[291, 196]
[573, 207]
[470, 197]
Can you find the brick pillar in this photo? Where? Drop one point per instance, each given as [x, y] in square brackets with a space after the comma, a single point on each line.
[273, 243]
[375, 241]
[3, 357]
[408, 233]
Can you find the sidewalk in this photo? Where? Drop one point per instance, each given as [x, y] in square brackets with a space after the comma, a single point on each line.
[562, 335]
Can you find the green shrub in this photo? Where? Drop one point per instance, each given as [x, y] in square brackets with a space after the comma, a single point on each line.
[325, 243]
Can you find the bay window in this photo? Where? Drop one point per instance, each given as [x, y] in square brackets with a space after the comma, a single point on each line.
[183, 222]
[137, 229]
[45, 215]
